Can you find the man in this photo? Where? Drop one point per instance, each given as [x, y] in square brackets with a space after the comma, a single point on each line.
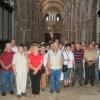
[7, 69]
[55, 66]
[20, 70]
[90, 57]
[97, 62]
[78, 55]
[98, 73]
[66, 42]
[14, 47]
[93, 44]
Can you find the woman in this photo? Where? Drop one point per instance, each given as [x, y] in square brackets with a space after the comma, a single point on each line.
[35, 63]
[68, 60]
[99, 67]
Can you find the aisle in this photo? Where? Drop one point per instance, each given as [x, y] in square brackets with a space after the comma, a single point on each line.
[69, 93]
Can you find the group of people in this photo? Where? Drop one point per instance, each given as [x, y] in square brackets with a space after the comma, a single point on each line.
[44, 64]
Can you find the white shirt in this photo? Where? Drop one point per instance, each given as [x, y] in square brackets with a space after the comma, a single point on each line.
[15, 49]
[55, 59]
[68, 58]
[20, 62]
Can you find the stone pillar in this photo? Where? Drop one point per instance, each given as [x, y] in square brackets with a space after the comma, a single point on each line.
[98, 24]
[0, 23]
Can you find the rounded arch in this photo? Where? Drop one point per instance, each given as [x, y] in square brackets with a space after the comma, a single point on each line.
[53, 5]
[53, 1]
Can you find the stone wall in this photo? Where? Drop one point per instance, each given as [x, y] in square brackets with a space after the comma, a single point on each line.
[27, 21]
[80, 20]
[98, 23]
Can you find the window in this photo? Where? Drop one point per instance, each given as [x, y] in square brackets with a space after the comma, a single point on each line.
[58, 17]
[47, 17]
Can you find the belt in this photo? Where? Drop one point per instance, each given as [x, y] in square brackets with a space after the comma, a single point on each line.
[79, 62]
[90, 61]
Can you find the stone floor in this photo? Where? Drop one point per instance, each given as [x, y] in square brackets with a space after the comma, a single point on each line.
[69, 93]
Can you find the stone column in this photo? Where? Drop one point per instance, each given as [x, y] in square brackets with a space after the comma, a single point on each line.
[98, 24]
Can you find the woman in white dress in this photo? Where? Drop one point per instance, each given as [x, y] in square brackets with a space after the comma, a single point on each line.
[68, 60]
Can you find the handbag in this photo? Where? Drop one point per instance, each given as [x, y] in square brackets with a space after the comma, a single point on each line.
[65, 67]
[42, 69]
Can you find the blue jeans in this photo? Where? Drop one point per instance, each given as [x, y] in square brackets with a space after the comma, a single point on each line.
[55, 79]
[7, 76]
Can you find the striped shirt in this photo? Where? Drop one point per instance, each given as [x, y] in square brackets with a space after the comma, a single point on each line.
[78, 55]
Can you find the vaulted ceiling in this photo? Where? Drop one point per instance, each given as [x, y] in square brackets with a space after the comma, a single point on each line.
[53, 5]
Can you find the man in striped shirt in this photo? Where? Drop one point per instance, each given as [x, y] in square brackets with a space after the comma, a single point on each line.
[78, 55]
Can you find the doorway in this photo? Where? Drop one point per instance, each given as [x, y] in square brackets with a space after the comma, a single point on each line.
[57, 36]
[49, 38]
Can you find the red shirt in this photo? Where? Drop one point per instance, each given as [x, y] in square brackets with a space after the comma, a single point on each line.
[6, 58]
[35, 60]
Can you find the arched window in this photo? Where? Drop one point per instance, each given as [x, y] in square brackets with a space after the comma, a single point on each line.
[47, 17]
[58, 17]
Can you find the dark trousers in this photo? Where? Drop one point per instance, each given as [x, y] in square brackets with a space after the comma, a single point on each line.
[78, 71]
[99, 74]
[35, 82]
[89, 73]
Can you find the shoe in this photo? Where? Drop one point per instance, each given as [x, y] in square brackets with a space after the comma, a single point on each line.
[58, 91]
[65, 86]
[92, 84]
[18, 96]
[11, 92]
[51, 91]
[80, 84]
[23, 94]
[73, 84]
[3, 94]
[36, 94]
[68, 85]
[86, 83]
